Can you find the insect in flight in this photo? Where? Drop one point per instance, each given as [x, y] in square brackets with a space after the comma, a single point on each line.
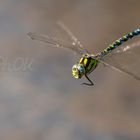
[88, 61]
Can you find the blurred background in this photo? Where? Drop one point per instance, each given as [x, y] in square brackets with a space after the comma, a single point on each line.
[44, 101]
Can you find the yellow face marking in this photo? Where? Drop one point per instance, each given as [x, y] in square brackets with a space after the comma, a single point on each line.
[75, 73]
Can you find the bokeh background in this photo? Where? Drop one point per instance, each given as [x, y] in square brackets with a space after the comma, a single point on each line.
[46, 102]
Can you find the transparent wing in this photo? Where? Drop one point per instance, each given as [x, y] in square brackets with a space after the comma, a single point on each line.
[125, 71]
[71, 35]
[125, 59]
[128, 48]
[75, 46]
[57, 43]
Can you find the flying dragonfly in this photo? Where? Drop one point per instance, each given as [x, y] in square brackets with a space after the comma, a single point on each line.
[89, 62]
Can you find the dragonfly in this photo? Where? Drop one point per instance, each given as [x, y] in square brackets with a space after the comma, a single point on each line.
[88, 61]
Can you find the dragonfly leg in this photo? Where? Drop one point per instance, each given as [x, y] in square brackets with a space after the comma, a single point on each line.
[90, 82]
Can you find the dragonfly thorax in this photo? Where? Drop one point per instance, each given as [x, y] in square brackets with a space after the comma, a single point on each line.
[78, 70]
[89, 63]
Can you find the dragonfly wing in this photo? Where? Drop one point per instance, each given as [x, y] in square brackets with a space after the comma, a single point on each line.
[125, 59]
[71, 35]
[57, 43]
[128, 48]
[125, 71]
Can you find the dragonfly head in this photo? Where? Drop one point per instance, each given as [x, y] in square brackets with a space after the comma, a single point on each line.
[78, 70]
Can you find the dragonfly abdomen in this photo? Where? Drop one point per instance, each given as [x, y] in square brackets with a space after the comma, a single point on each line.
[119, 42]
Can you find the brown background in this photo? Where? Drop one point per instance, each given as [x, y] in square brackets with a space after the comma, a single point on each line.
[47, 103]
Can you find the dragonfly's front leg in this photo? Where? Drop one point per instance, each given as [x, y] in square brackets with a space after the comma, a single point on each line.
[88, 84]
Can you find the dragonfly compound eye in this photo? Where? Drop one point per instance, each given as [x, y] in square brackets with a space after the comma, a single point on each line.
[78, 71]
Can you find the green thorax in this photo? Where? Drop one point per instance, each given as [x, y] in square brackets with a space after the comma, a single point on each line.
[89, 63]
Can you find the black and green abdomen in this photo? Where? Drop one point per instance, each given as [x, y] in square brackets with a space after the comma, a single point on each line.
[89, 63]
[119, 42]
